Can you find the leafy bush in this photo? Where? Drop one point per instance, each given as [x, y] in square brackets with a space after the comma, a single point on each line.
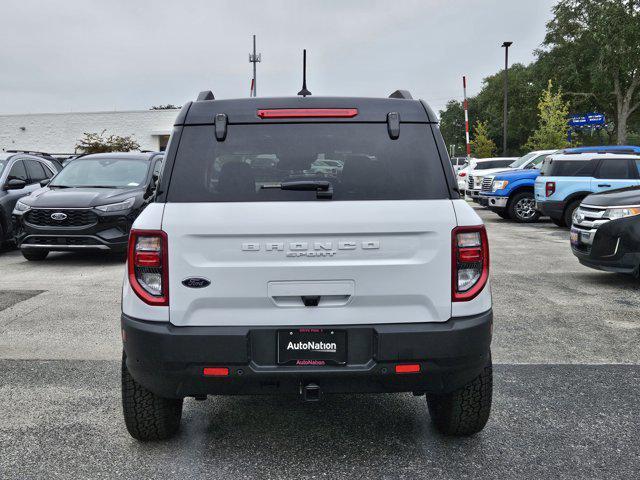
[99, 143]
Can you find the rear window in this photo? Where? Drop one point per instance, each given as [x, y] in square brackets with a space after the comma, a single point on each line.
[567, 168]
[359, 160]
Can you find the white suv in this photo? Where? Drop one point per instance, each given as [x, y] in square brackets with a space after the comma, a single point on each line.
[248, 277]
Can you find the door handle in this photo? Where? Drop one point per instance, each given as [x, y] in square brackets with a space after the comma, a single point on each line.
[604, 185]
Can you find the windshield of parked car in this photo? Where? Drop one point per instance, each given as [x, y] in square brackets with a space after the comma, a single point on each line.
[493, 164]
[522, 160]
[103, 172]
[3, 163]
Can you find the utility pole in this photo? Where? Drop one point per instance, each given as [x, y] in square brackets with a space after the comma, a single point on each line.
[506, 46]
[466, 115]
[254, 58]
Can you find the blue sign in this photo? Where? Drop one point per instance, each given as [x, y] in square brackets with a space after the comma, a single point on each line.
[587, 120]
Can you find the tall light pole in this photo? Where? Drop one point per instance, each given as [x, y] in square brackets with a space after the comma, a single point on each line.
[506, 46]
[254, 58]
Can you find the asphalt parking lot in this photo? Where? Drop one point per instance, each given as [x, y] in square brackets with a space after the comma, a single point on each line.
[567, 386]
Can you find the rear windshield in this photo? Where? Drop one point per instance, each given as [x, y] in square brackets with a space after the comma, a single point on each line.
[567, 168]
[359, 160]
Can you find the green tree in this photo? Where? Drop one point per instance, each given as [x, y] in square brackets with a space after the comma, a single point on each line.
[452, 126]
[552, 121]
[482, 146]
[525, 84]
[99, 143]
[593, 49]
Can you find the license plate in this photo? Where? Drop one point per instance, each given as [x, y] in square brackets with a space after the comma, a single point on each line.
[312, 347]
[575, 237]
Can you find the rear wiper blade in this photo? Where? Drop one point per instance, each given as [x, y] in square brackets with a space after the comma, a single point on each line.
[322, 188]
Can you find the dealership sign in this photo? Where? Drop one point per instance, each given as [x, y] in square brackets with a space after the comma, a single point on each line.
[587, 120]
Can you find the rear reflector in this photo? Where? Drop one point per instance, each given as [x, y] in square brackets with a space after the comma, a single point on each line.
[308, 113]
[215, 372]
[147, 259]
[408, 368]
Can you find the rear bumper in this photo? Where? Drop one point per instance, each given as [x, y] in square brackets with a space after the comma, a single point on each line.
[553, 209]
[168, 360]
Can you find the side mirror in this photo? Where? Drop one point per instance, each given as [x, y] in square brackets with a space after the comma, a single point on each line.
[45, 182]
[15, 184]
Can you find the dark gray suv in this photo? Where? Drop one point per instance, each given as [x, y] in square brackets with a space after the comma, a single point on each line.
[20, 174]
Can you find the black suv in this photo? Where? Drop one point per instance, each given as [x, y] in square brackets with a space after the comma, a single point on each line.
[90, 205]
[20, 174]
[605, 234]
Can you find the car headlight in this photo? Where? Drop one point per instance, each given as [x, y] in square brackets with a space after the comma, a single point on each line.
[21, 207]
[616, 213]
[499, 184]
[114, 207]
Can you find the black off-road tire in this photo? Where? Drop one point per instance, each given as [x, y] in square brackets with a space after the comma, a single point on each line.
[568, 212]
[558, 221]
[521, 208]
[35, 255]
[147, 416]
[465, 411]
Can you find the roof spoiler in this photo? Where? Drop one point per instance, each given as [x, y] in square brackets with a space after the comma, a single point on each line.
[205, 95]
[404, 94]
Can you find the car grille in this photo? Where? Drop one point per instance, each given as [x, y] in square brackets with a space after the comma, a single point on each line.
[41, 217]
[588, 217]
[470, 183]
[486, 184]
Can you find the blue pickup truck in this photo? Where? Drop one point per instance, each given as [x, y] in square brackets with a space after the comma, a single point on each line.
[510, 193]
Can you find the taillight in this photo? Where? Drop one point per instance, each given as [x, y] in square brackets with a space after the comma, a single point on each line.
[469, 262]
[550, 188]
[148, 266]
[463, 174]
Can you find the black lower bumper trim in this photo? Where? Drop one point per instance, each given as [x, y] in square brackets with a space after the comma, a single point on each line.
[552, 209]
[169, 360]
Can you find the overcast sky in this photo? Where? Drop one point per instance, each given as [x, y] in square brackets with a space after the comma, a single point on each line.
[82, 55]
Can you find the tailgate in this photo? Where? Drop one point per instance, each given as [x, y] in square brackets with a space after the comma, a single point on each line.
[352, 262]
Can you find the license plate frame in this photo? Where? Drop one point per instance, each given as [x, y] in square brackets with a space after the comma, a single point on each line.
[311, 347]
[574, 237]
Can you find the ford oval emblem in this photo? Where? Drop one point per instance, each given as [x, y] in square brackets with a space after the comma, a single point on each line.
[59, 216]
[196, 282]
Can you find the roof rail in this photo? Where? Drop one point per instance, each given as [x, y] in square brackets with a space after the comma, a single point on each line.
[33, 152]
[401, 94]
[205, 95]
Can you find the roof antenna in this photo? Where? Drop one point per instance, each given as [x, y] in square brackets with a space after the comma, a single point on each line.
[304, 92]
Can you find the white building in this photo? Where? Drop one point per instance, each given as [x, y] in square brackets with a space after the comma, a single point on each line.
[60, 132]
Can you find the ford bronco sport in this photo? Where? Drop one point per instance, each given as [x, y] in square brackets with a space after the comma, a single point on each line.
[248, 276]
